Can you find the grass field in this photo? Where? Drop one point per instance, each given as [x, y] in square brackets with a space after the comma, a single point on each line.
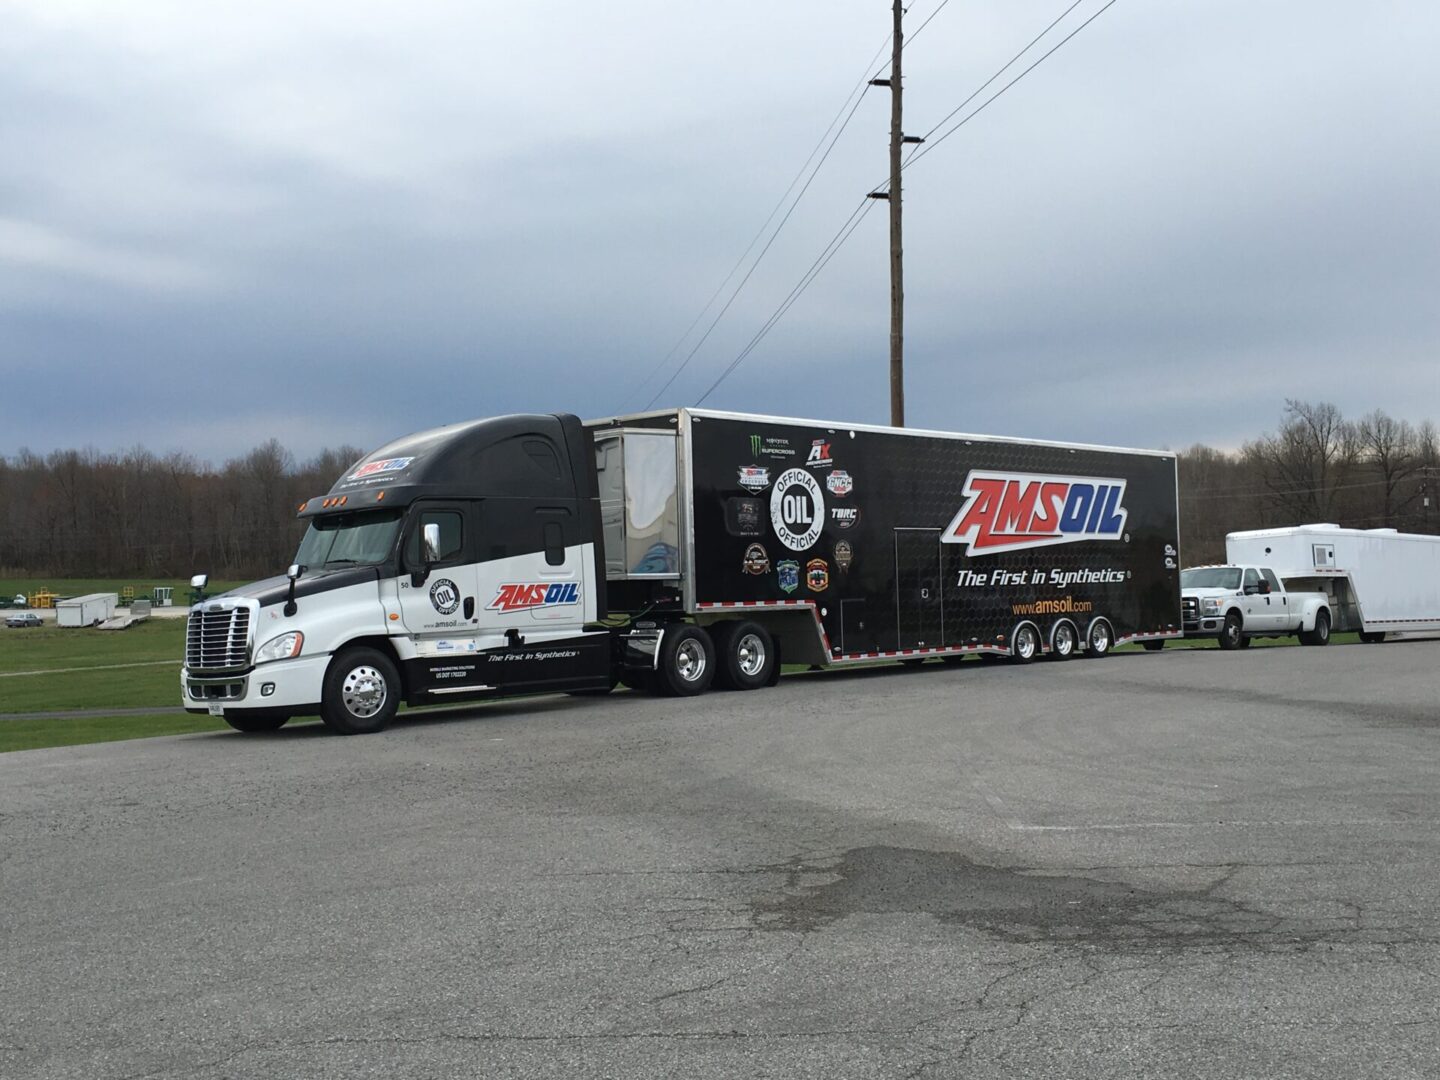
[82, 586]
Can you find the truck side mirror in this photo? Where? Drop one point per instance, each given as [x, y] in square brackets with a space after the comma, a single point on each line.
[430, 543]
[1264, 588]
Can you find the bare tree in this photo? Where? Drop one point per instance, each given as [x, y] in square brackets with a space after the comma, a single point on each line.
[1306, 464]
[1390, 449]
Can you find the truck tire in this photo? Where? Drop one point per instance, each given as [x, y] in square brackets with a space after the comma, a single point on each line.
[744, 654]
[1321, 634]
[257, 720]
[1232, 634]
[1154, 645]
[361, 692]
[1024, 644]
[1372, 637]
[686, 663]
[1064, 640]
[1100, 640]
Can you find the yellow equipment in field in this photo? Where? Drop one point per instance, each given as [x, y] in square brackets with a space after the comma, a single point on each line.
[44, 598]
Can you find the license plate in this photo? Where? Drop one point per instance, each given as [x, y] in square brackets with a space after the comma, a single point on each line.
[216, 709]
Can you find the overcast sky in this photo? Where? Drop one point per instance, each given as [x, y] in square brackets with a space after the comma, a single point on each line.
[337, 222]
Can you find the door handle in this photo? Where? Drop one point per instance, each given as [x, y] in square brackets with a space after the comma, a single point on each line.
[469, 607]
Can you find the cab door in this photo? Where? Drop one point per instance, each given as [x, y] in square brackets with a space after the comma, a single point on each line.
[438, 599]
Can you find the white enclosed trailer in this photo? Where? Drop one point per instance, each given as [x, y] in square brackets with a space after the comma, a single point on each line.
[1380, 581]
[89, 610]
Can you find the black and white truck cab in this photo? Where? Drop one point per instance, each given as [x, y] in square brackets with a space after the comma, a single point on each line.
[1235, 604]
[669, 550]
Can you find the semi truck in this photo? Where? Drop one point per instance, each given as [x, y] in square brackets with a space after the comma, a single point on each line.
[1374, 581]
[680, 549]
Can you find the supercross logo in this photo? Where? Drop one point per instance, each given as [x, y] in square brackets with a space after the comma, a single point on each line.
[523, 595]
[1006, 511]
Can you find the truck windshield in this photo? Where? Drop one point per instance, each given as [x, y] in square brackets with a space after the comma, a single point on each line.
[356, 539]
[1211, 577]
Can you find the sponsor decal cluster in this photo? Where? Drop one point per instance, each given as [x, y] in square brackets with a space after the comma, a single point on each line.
[817, 575]
[757, 560]
[788, 571]
[444, 596]
[797, 509]
[1012, 511]
[839, 483]
[754, 478]
[383, 465]
[527, 595]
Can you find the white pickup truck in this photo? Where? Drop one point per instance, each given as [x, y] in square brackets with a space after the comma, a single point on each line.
[1235, 604]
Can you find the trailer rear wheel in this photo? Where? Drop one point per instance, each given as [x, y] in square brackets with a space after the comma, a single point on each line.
[1063, 640]
[1321, 634]
[745, 655]
[1372, 637]
[686, 663]
[1099, 640]
[1024, 643]
[1232, 634]
[361, 692]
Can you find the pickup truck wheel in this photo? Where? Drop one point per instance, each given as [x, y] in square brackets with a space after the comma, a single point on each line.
[1232, 635]
[1321, 634]
[745, 655]
[1372, 637]
[361, 693]
[1024, 644]
[1099, 640]
[687, 662]
[257, 720]
[1063, 641]
[1245, 642]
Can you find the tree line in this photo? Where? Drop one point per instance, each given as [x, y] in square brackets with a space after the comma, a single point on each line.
[83, 513]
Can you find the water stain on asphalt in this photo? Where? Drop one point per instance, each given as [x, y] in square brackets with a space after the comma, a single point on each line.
[1023, 905]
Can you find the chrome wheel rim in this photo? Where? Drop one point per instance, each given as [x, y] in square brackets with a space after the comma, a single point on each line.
[1064, 640]
[1025, 643]
[750, 655]
[364, 691]
[1100, 638]
[690, 660]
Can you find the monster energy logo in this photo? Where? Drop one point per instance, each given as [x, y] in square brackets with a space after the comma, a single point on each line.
[754, 445]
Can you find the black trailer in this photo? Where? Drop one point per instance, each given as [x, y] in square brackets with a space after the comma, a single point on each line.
[848, 543]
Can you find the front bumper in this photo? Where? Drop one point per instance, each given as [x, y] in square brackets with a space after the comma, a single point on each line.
[1209, 626]
[285, 684]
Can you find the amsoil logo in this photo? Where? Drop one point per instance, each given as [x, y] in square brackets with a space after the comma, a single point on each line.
[1012, 511]
[384, 465]
[521, 595]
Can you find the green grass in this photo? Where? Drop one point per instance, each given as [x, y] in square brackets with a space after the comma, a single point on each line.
[38, 734]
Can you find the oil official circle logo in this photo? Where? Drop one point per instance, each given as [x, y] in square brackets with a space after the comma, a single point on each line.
[445, 596]
[797, 509]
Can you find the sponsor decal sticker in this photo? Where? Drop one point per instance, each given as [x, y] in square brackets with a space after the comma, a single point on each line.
[797, 509]
[444, 596]
[844, 555]
[817, 575]
[789, 571]
[1011, 511]
[770, 446]
[384, 465]
[757, 560]
[743, 517]
[844, 517]
[754, 477]
[839, 483]
[523, 595]
[819, 455]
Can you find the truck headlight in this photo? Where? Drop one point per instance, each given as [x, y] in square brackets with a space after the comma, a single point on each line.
[280, 648]
[1210, 605]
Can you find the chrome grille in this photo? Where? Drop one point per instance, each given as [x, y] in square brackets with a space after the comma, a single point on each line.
[218, 640]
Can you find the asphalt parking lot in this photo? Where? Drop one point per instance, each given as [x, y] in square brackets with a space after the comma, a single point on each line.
[1155, 865]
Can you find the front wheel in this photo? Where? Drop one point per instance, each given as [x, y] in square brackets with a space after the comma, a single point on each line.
[1321, 634]
[686, 665]
[1232, 635]
[257, 720]
[361, 693]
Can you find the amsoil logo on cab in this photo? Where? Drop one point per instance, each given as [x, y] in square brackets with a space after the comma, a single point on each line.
[1012, 511]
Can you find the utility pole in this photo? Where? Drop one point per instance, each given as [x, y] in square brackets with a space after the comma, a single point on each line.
[898, 140]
